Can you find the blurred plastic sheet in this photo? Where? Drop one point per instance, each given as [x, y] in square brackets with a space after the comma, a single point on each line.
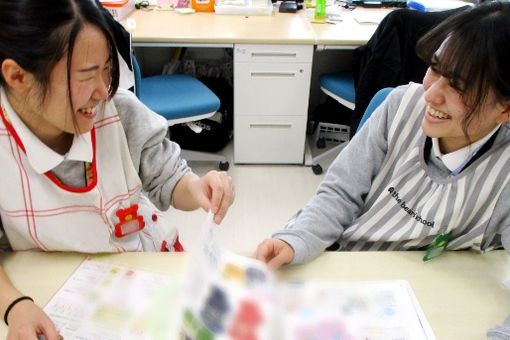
[227, 296]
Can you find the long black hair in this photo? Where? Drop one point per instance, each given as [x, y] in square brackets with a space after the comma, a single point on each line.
[37, 34]
[474, 55]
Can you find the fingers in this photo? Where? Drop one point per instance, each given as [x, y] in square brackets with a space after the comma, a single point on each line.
[203, 200]
[279, 260]
[49, 331]
[222, 193]
[31, 323]
[227, 198]
[216, 185]
[275, 253]
[264, 251]
[46, 331]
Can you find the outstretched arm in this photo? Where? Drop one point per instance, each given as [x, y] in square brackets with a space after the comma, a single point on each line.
[341, 195]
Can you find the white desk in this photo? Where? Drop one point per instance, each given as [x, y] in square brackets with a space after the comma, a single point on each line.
[461, 293]
[273, 57]
[167, 28]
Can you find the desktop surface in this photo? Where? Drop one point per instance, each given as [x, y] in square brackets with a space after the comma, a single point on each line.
[461, 293]
[168, 28]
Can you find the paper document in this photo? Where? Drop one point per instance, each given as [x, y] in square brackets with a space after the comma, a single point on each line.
[228, 296]
[369, 17]
[106, 301]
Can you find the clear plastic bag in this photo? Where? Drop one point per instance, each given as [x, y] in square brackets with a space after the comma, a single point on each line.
[227, 296]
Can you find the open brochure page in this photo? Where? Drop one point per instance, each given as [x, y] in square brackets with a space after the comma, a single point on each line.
[353, 310]
[228, 296]
[111, 302]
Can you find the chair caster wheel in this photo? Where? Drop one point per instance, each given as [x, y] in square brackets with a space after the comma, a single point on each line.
[224, 166]
[317, 169]
[321, 143]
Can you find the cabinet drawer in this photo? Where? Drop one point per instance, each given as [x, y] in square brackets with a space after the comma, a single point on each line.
[269, 139]
[273, 53]
[271, 89]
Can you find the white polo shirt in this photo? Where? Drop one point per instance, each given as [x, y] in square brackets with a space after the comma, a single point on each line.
[456, 160]
[39, 155]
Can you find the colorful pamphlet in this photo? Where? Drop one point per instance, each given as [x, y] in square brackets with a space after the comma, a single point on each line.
[228, 296]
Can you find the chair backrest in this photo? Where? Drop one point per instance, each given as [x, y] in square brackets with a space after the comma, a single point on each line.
[389, 58]
[138, 74]
[377, 99]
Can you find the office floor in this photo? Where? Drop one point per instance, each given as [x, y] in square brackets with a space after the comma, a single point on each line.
[266, 197]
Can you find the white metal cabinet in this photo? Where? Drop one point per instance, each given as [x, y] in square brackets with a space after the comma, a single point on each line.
[269, 139]
[272, 85]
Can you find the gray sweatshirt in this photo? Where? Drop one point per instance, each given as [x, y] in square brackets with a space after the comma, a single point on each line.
[370, 181]
[156, 158]
[381, 176]
[500, 332]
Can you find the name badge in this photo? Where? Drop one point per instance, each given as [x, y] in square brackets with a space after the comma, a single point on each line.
[129, 221]
[437, 247]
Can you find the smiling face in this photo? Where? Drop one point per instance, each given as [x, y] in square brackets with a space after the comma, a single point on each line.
[89, 83]
[447, 110]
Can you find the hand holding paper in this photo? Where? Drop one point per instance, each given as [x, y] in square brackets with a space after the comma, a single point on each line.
[212, 192]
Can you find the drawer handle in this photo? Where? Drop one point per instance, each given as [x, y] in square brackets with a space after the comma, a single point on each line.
[268, 125]
[273, 74]
[273, 54]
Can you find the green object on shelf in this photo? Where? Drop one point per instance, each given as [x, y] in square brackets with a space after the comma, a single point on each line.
[320, 10]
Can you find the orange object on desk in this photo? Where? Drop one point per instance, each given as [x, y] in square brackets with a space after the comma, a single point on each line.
[203, 5]
[119, 9]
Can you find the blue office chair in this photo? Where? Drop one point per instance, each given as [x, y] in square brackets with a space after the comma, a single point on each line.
[377, 99]
[179, 98]
[339, 86]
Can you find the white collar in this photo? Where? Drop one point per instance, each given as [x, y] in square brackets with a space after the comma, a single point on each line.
[39, 155]
[456, 159]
